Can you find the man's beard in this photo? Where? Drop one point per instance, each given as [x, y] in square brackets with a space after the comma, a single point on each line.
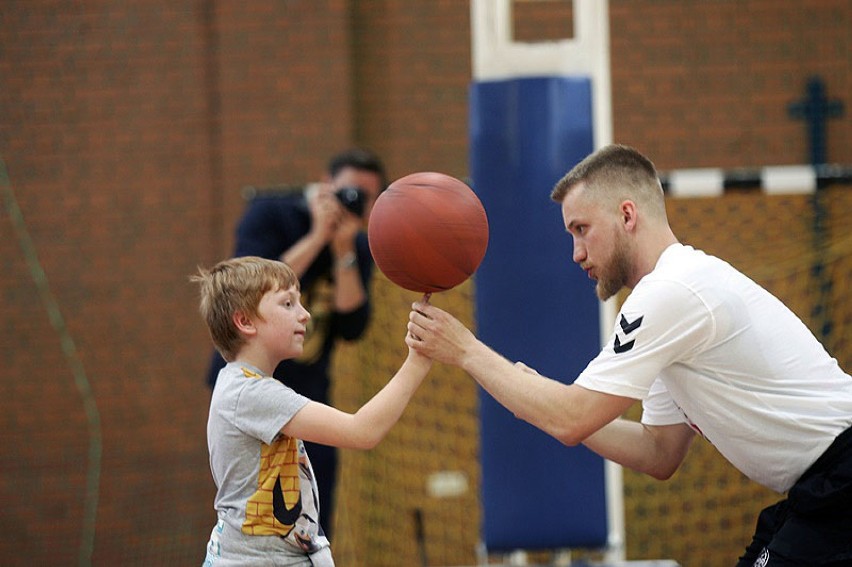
[611, 280]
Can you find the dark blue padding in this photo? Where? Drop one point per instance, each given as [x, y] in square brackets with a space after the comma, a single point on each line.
[533, 304]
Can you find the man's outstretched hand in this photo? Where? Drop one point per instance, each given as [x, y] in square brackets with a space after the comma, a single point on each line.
[437, 334]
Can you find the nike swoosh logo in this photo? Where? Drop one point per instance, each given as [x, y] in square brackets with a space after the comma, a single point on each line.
[619, 348]
[282, 513]
[629, 327]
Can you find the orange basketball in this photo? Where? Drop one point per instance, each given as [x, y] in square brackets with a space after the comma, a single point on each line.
[428, 232]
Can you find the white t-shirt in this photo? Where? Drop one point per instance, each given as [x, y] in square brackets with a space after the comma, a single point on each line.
[702, 344]
[264, 480]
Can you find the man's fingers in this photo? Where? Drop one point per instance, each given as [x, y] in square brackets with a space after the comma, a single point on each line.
[425, 308]
[419, 309]
[413, 329]
[412, 338]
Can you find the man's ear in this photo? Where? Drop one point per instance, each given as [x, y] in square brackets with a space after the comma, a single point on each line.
[244, 323]
[629, 215]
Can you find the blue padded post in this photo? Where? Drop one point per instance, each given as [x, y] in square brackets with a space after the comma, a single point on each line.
[533, 304]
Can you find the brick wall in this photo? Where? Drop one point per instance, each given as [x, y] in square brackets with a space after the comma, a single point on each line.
[707, 84]
[128, 128]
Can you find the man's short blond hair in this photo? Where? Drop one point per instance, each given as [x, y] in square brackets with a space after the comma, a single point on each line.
[237, 286]
[616, 173]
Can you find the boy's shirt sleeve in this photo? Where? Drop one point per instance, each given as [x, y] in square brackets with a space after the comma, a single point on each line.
[265, 405]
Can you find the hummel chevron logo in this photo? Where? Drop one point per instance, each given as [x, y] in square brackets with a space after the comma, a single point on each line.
[619, 348]
[627, 327]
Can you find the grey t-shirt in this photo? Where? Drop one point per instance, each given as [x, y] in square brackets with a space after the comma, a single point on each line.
[264, 480]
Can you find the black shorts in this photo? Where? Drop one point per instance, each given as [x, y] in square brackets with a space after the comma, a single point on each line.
[813, 525]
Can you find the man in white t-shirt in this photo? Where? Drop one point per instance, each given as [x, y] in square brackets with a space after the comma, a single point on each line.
[704, 348]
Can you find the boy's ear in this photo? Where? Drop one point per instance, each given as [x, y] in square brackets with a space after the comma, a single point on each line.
[244, 323]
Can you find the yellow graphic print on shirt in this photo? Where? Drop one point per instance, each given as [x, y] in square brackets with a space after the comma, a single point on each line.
[275, 507]
[277, 504]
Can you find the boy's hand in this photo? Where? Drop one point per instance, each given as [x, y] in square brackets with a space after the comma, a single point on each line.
[412, 353]
[423, 301]
[418, 359]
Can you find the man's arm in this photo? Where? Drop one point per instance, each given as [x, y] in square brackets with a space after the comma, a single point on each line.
[657, 451]
[304, 252]
[569, 413]
[349, 289]
[325, 215]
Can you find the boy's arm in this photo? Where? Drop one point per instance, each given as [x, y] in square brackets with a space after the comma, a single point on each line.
[364, 429]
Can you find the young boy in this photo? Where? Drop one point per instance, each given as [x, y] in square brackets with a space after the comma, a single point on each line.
[266, 499]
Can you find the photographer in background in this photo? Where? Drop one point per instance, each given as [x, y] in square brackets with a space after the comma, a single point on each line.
[319, 232]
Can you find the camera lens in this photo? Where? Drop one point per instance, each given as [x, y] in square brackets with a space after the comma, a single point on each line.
[352, 198]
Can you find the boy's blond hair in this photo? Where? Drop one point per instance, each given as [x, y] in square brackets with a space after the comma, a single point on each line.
[237, 285]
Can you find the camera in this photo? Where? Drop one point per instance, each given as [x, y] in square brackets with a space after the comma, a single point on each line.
[353, 198]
